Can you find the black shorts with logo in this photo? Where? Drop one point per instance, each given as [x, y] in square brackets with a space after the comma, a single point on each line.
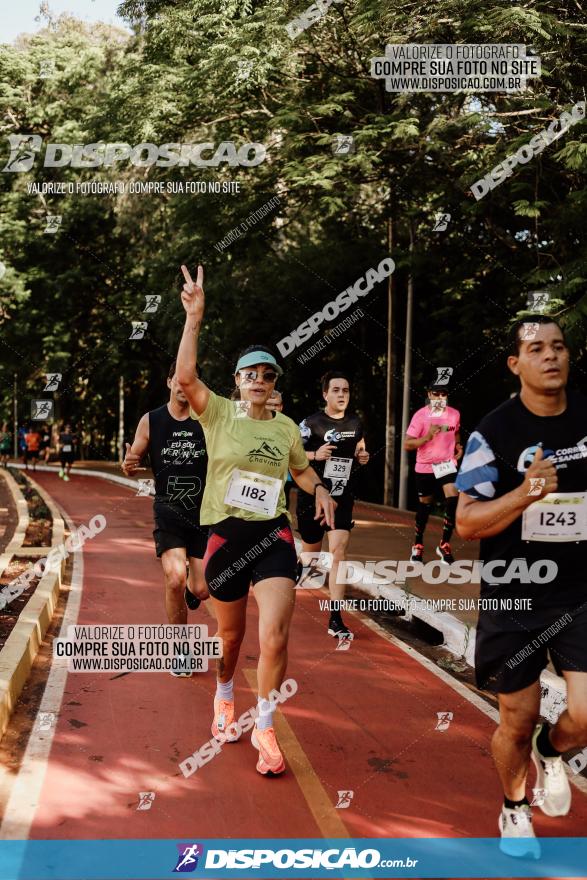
[508, 659]
[310, 529]
[176, 528]
[241, 552]
[426, 484]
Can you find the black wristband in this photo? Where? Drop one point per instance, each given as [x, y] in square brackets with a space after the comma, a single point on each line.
[324, 486]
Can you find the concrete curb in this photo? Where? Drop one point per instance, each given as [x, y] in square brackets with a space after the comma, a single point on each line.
[22, 525]
[57, 531]
[22, 645]
[114, 478]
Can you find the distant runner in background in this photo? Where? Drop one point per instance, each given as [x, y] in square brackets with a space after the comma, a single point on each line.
[435, 433]
[45, 443]
[22, 431]
[32, 440]
[66, 451]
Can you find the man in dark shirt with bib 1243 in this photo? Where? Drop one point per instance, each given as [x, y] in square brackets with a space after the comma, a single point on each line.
[523, 492]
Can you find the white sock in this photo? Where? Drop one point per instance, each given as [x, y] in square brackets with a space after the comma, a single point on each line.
[265, 708]
[225, 691]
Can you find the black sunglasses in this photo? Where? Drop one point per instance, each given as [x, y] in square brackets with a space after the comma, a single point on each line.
[251, 375]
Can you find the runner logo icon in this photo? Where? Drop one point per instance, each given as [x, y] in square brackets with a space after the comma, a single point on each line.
[146, 799]
[344, 799]
[539, 797]
[443, 375]
[53, 380]
[537, 484]
[41, 410]
[146, 487]
[444, 719]
[23, 150]
[187, 860]
[46, 720]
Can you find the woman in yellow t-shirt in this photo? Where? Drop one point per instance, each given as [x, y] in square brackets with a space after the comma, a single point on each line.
[250, 450]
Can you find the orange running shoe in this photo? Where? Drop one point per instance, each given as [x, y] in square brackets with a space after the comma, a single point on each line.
[270, 757]
[224, 719]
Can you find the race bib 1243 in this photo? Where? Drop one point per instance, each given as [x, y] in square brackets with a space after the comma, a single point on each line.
[559, 516]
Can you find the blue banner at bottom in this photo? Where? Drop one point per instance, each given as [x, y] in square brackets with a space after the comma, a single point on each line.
[292, 858]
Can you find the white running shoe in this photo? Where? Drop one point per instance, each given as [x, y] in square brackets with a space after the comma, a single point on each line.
[517, 834]
[551, 777]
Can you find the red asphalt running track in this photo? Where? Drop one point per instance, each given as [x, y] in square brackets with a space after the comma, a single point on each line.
[362, 720]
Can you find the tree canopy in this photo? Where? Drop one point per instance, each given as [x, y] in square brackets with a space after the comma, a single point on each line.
[216, 71]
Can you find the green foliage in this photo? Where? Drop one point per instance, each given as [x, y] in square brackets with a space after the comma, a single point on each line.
[68, 300]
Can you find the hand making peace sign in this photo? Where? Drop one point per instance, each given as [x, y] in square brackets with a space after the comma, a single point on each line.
[192, 294]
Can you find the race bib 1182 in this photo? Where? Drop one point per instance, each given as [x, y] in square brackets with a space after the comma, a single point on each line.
[251, 491]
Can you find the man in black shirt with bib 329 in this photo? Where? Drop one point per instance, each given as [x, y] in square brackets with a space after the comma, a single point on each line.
[177, 449]
[334, 445]
[523, 492]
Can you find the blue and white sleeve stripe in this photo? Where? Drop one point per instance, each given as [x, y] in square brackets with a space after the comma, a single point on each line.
[305, 431]
[478, 475]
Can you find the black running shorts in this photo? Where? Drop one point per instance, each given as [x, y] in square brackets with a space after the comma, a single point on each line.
[241, 552]
[176, 528]
[310, 529]
[508, 661]
[426, 484]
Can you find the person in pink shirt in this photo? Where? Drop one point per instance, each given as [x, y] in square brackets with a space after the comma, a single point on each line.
[434, 433]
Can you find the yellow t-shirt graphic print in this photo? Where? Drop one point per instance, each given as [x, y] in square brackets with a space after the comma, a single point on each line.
[267, 447]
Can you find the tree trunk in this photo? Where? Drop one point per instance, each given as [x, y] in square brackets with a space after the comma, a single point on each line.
[388, 481]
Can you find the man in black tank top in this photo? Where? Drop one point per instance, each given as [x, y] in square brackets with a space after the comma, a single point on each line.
[175, 444]
[335, 446]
